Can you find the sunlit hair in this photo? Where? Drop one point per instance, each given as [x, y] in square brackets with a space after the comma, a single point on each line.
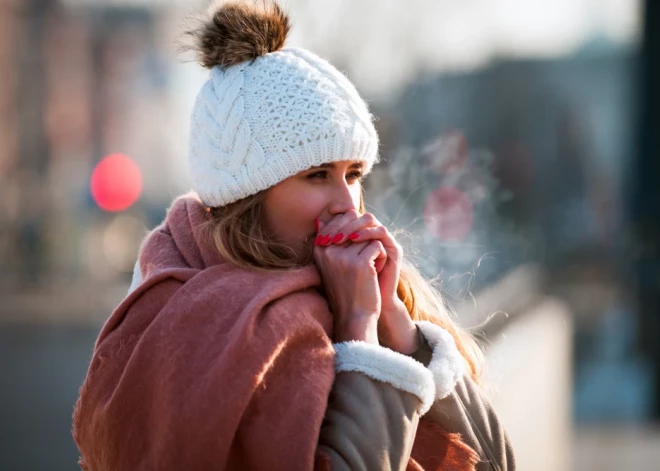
[238, 231]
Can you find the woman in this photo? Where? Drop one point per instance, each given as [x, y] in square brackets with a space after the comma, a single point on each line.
[274, 323]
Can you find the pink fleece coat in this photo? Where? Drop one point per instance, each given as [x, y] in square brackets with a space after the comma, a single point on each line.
[210, 366]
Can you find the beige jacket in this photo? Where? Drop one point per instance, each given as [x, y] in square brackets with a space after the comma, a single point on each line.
[371, 424]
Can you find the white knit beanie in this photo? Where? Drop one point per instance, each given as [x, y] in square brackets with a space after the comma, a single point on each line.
[267, 113]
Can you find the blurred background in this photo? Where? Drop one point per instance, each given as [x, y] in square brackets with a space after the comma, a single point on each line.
[519, 153]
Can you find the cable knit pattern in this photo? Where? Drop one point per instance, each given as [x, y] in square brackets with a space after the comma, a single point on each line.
[257, 123]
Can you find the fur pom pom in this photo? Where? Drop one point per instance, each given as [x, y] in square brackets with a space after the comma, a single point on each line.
[239, 31]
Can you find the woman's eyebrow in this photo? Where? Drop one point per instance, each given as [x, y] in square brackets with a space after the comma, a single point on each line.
[331, 165]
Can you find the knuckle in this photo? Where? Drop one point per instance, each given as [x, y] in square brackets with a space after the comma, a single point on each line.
[352, 214]
[377, 244]
[369, 218]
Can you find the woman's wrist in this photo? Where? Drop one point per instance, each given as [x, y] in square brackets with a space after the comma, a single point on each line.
[406, 341]
[361, 327]
[397, 331]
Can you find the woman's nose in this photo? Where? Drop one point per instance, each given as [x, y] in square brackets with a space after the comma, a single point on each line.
[344, 198]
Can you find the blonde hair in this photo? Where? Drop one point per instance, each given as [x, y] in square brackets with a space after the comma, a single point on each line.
[238, 232]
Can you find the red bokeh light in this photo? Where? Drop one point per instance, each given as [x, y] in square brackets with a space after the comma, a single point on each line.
[116, 183]
[448, 214]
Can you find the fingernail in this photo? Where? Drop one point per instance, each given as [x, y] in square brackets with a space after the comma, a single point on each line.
[317, 241]
[317, 224]
[326, 240]
[337, 238]
[354, 236]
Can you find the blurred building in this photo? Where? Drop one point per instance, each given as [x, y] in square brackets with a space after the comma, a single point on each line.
[82, 80]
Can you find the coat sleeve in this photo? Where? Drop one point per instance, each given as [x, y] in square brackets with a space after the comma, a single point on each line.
[373, 410]
[466, 410]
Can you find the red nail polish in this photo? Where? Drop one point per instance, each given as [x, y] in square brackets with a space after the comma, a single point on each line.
[337, 238]
[354, 236]
[326, 240]
[317, 224]
[317, 241]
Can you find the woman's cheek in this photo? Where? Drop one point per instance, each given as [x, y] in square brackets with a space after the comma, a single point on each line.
[308, 210]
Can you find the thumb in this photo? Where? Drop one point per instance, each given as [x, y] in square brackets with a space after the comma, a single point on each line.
[375, 253]
[379, 263]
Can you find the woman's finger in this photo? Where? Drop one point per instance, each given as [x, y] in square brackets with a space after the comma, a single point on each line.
[373, 252]
[327, 233]
[351, 251]
[382, 234]
[380, 259]
[344, 229]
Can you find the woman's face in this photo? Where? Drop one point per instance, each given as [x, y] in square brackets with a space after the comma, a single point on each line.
[292, 206]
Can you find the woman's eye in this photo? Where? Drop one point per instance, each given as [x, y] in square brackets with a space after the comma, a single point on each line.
[355, 176]
[324, 175]
[317, 175]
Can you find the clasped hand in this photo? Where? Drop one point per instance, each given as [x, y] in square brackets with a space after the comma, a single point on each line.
[360, 263]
